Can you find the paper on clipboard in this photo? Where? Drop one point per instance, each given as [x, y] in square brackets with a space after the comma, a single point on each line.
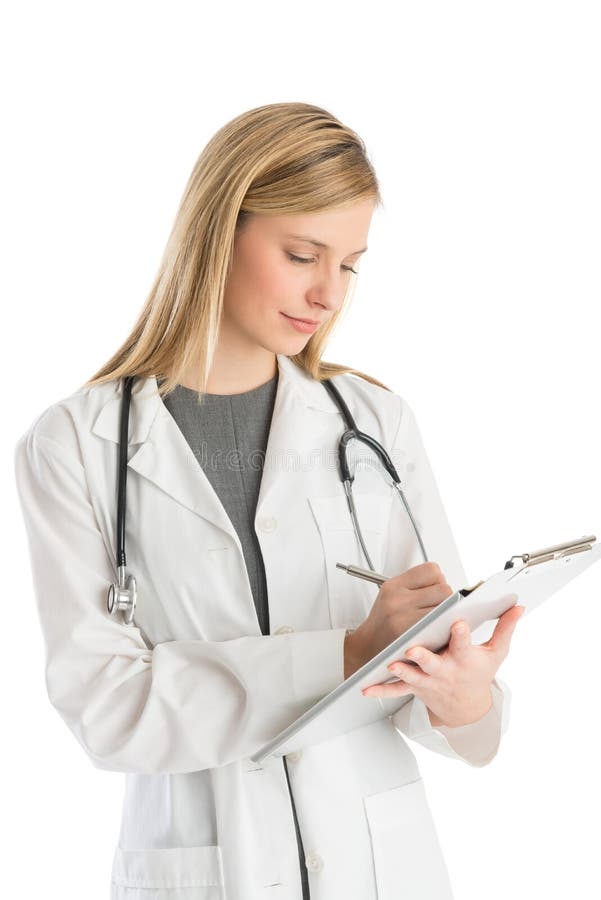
[529, 581]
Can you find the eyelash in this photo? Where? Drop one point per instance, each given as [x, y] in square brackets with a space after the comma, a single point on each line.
[301, 259]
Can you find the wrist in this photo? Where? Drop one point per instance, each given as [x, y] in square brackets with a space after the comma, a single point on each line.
[474, 715]
[435, 720]
[351, 661]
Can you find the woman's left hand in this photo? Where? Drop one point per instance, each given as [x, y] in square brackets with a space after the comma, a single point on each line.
[454, 684]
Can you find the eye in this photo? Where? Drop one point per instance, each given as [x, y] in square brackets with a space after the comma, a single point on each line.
[302, 259]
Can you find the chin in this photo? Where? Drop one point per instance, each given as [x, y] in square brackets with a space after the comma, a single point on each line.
[286, 346]
[291, 348]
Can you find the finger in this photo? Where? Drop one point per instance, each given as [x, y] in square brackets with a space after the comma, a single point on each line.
[429, 597]
[501, 637]
[461, 637]
[394, 689]
[411, 674]
[429, 662]
[423, 575]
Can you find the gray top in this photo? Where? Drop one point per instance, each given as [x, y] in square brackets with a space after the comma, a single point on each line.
[228, 436]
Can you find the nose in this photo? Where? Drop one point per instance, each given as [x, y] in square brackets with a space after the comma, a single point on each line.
[328, 293]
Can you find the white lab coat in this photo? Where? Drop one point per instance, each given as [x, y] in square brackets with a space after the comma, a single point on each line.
[181, 701]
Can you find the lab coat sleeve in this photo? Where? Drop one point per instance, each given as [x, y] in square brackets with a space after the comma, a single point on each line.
[475, 744]
[478, 742]
[179, 706]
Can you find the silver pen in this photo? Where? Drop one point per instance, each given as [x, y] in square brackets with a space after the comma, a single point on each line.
[366, 574]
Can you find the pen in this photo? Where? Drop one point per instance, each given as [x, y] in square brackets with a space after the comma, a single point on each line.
[366, 574]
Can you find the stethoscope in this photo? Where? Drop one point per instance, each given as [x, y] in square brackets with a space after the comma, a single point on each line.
[122, 596]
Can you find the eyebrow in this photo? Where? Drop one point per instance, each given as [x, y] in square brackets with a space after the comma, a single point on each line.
[310, 240]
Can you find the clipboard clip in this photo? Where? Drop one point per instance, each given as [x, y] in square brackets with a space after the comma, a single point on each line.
[555, 552]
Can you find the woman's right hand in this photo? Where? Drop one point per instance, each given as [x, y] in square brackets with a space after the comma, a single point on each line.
[401, 602]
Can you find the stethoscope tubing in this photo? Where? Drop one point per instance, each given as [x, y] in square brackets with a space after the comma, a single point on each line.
[122, 476]
[353, 433]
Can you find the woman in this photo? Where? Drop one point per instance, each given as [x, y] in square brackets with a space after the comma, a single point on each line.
[243, 620]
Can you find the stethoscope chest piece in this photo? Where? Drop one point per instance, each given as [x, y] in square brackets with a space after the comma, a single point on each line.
[122, 596]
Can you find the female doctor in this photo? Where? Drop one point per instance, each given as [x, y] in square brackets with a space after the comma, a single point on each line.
[243, 621]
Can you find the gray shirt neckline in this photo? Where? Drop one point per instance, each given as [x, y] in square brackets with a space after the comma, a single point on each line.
[189, 393]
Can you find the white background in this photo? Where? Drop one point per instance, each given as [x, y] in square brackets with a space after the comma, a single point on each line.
[477, 301]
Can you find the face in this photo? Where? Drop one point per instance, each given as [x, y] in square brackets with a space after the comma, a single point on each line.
[276, 276]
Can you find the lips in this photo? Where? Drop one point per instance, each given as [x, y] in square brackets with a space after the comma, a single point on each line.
[307, 321]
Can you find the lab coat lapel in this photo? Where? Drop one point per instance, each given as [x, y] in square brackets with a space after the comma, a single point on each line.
[164, 457]
[159, 452]
[297, 420]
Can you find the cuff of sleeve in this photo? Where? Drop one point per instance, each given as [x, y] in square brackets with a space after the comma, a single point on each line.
[476, 743]
[317, 663]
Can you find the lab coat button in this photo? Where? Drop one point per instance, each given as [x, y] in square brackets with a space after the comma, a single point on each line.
[314, 862]
[267, 523]
[284, 629]
[294, 757]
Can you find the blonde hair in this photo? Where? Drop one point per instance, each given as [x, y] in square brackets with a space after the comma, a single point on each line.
[278, 159]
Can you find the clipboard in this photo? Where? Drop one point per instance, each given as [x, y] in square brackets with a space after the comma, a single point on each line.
[527, 579]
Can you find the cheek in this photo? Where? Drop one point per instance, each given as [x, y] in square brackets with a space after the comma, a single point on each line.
[260, 284]
[270, 286]
[276, 277]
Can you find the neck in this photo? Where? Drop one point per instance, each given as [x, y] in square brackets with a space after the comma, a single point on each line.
[236, 374]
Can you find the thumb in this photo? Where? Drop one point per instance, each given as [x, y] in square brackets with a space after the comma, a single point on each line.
[461, 637]
[500, 639]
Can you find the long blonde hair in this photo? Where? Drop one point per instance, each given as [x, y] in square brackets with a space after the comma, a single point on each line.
[279, 159]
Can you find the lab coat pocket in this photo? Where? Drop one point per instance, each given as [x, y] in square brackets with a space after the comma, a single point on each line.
[351, 598]
[408, 860]
[177, 873]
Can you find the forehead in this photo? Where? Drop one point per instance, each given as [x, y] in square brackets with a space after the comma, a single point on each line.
[330, 229]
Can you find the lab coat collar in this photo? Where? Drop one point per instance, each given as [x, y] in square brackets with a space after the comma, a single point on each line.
[147, 402]
[164, 456]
